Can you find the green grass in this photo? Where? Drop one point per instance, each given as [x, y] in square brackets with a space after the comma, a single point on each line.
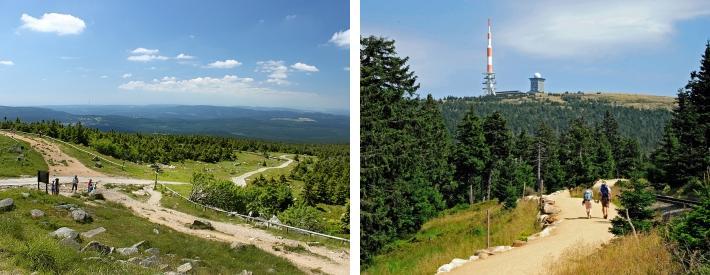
[182, 172]
[24, 246]
[457, 233]
[17, 159]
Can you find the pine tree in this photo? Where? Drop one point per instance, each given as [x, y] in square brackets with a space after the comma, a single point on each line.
[551, 170]
[611, 130]
[436, 148]
[470, 158]
[578, 154]
[637, 199]
[604, 160]
[630, 157]
[664, 160]
[498, 139]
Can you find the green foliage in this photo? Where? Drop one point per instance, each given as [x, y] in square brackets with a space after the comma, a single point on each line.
[683, 152]
[510, 176]
[636, 198]
[303, 216]
[470, 157]
[17, 158]
[692, 231]
[402, 161]
[154, 148]
[264, 197]
[325, 180]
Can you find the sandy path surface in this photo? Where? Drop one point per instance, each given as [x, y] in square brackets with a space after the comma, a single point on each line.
[54, 156]
[242, 180]
[574, 229]
[325, 260]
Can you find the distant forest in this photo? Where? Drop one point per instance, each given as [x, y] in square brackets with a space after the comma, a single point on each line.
[643, 125]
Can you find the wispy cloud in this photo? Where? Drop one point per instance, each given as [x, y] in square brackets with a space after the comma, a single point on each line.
[226, 64]
[7, 63]
[291, 17]
[146, 55]
[561, 29]
[104, 76]
[304, 67]
[341, 39]
[127, 75]
[62, 24]
[183, 56]
[277, 70]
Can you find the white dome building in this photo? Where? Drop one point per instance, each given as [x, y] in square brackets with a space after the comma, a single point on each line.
[537, 84]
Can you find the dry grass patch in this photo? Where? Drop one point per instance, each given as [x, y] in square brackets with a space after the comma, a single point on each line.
[626, 255]
[457, 233]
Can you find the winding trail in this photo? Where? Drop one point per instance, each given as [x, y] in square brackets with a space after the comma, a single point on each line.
[242, 180]
[318, 258]
[575, 229]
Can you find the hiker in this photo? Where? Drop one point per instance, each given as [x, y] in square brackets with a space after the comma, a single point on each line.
[88, 190]
[75, 184]
[605, 191]
[55, 188]
[587, 202]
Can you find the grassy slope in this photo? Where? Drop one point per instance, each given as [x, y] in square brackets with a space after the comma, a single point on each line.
[626, 255]
[640, 101]
[11, 167]
[456, 235]
[123, 229]
[182, 172]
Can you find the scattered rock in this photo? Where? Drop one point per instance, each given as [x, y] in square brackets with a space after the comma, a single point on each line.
[71, 243]
[96, 195]
[141, 244]
[97, 246]
[482, 256]
[135, 260]
[458, 262]
[481, 252]
[245, 272]
[445, 268]
[7, 204]
[184, 268]
[140, 192]
[274, 220]
[93, 232]
[81, 216]
[127, 251]
[473, 258]
[152, 251]
[499, 249]
[163, 266]
[65, 232]
[155, 231]
[25, 195]
[271, 270]
[201, 224]
[518, 243]
[36, 213]
[550, 209]
[150, 261]
[171, 273]
[66, 206]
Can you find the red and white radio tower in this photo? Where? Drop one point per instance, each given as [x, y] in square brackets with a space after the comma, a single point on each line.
[489, 77]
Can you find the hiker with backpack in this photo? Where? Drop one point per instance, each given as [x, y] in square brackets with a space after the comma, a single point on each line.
[587, 201]
[605, 191]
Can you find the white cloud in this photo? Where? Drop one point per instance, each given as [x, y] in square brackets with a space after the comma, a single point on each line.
[278, 72]
[141, 51]
[62, 24]
[68, 57]
[341, 39]
[104, 76]
[291, 17]
[127, 75]
[594, 28]
[146, 58]
[226, 84]
[183, 56]
[226, 64]
[7, 63]
[304, 67]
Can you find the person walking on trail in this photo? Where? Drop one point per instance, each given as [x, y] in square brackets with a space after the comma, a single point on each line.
[587, 202]
[75, 184]
[605, 191]
[55, 186]
[88, 190]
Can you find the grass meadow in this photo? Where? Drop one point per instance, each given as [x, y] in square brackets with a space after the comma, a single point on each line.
[18, 159]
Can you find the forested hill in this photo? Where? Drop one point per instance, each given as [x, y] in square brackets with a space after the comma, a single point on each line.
[637, 119]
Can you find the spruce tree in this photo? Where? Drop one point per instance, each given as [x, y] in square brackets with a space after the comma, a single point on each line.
[611, 130]
[604, 160]
[630, 157]
[637, 199]
[552, 173]
[498, 139]
[470, 158]
[578, 154]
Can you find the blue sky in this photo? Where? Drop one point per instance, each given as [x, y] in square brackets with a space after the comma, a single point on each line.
[232, 53]
[633, 46]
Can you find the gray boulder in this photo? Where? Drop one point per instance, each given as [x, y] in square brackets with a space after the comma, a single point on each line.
[141, 244]
[65, 206]
[36, 213]
[93, 232]
[7, 204]
[550, 209]
[71, 243]
[152, 251]
[237, 245]
[127, 251]
[81, 216]
[155, 231]
[97, 246]
[151, 261]
[25, 195]
[245, 272]
[201, 224]
[65, 232]
[135, 260]
[185, 268]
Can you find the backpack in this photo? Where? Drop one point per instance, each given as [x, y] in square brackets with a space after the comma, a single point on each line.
[588, 195]
[604, 190]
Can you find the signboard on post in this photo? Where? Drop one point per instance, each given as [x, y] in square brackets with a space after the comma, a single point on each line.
[42, 176]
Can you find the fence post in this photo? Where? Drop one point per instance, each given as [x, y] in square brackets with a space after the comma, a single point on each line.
[488, 228]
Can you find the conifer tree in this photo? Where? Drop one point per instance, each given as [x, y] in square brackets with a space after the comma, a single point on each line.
[470, 158]
[636, 199]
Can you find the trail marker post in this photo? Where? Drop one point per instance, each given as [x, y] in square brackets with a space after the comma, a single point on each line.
[488, 228]
[42, 176]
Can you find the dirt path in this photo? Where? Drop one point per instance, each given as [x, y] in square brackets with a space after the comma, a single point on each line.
[242, 180]
[574, 230]
[60, 164]
[323, 259]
